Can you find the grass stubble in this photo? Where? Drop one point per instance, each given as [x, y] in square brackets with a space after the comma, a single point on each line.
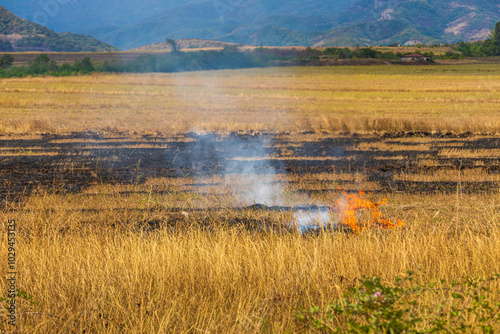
[91, 267]
[355, 99]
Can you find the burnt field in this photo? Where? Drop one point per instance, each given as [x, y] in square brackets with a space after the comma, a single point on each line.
[390, 163]
[250, 201]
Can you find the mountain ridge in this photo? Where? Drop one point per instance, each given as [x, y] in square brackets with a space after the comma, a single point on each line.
[364, 22]
[291, 22]
[17, 34]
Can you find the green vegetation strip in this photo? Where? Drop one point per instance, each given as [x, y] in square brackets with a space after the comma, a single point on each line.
[230, 58]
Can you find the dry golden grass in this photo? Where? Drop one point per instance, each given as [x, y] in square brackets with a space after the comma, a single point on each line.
[377, 98]
[94, 271]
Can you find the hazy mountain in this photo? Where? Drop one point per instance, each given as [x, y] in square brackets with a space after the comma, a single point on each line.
[427, 21]
[18, 34]
[81, 15]
[128, 24]
[375, 22]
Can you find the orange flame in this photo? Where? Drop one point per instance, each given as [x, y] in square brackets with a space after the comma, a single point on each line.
[347, 207]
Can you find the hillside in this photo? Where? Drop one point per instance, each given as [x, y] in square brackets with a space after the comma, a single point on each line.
[213, 21]
[369, 22]
[81, 16]
[18, 34]
[277, 22]
[364, 22]
[374, 22]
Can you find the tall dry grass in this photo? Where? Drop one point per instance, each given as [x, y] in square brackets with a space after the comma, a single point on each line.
[102, 276]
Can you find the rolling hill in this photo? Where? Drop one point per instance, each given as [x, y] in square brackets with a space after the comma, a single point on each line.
[430, 21]
[275, 22]
[81, 16]
[217, 20]
[18, 34]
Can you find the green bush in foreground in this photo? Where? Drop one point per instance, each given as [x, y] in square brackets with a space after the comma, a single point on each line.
[373, 307]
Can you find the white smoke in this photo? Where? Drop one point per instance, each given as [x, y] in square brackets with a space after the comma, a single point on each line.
[244, 160]
[250, 173]
[314, 219]
[254, 188]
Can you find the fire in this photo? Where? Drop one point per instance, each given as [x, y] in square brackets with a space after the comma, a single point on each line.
[350, 204]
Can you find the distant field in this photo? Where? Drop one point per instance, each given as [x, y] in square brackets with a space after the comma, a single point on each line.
[346, 99]
[169, 203]
[415, 49]
[22, 58]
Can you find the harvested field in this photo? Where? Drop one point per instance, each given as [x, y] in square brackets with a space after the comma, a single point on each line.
[331, 99]
[170, 203]
[23, 58]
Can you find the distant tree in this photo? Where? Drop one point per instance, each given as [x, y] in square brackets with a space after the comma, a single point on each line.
[495, 34]
[491, 46]
[42, 59]
[6, 61]
[87, 65]
[230, 48]
[495, 38]
[173, 44]
[42, 65]
[368, 53]
[6, 46]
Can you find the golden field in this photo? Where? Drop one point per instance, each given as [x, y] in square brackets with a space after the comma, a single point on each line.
[362, 98]
[133, 200]
[92, 268]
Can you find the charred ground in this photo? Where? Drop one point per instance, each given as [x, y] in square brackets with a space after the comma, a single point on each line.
[397, 162]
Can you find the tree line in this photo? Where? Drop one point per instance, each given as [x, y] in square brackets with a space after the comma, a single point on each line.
[43, 65]
[488, 48]
[228, 58]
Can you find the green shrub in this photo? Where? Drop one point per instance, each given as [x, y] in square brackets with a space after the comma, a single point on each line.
[373, 307]
[6, 61]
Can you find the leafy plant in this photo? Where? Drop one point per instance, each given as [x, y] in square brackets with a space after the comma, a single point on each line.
[20, 294]
[373, 307]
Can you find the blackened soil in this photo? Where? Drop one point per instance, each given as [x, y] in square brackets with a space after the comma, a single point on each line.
[71, 162]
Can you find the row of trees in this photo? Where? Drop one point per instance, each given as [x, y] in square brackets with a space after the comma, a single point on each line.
[229, 58]
[334, 52]
[344, 53]
[43, 65]
[362, 53]
[490, 47]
